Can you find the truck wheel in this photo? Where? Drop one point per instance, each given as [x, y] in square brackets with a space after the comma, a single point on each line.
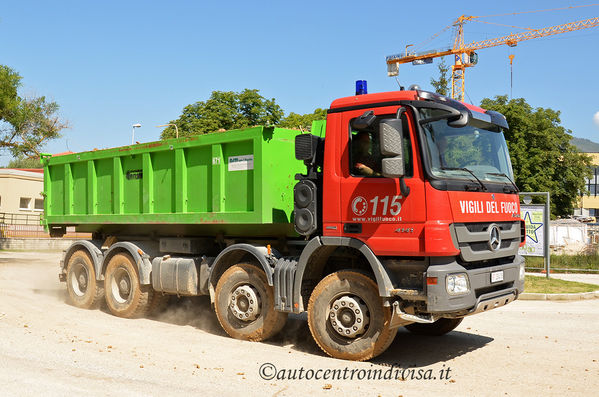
[82, 286]
[347, 318]
[438, 328]
[244, 304]
[125, 297]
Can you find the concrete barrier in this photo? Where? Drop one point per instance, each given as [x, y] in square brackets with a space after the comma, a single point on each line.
[35, 244]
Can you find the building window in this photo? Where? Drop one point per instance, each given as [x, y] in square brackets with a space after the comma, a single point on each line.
[38, 205]
[25, 204]
[593, 183]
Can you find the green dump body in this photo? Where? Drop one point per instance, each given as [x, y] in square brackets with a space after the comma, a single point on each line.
[234, 183]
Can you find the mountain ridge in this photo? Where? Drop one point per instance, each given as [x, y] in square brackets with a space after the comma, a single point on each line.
[585, 145]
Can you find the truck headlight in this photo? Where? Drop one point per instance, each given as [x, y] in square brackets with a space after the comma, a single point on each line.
[521, 274]
[457, 284]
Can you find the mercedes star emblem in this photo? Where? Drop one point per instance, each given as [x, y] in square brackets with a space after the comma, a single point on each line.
[494, 238]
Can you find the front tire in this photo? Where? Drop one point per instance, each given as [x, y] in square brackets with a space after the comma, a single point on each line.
[125, 297]
[438, 328]
[82, 287]
[244, 304]
[347, 318]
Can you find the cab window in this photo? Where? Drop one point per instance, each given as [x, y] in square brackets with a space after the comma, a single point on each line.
[365, 155]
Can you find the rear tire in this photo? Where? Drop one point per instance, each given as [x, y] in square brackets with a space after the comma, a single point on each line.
[347, 318]
[125, 297]
[438, 328]
[83, 289]
[244, 304]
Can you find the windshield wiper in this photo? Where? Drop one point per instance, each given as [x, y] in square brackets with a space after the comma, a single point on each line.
[507, 177]
[467, 170]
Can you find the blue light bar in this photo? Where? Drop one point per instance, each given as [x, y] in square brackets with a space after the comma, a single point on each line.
[361, 87]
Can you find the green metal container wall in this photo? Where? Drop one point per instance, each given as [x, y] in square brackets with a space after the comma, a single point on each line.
[232, 183]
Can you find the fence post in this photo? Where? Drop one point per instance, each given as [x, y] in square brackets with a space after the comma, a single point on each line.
[547, 234]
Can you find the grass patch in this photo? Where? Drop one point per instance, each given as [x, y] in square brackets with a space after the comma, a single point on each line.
[571, 263]
[544, 285]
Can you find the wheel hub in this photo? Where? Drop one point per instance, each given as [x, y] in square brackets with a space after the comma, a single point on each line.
[78, 280]
[244, 303]
[82, 279]
[121, 285]
[349, 316]
[124, 287]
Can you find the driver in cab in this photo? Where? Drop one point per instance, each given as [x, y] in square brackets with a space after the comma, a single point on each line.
[363, 161]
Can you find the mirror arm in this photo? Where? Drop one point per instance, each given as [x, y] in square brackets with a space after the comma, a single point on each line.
[449, 117]
[403, 188]
[400, 111]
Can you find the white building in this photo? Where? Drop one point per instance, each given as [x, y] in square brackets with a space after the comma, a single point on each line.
[21, 191]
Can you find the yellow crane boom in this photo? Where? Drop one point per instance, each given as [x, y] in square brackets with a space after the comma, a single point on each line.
[465, 55]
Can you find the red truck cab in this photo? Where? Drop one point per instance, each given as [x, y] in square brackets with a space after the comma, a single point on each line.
[422, 186]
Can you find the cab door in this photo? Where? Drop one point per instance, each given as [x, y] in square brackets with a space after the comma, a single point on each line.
[373, 208]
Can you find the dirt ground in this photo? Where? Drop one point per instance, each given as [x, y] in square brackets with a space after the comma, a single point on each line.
[48, 347]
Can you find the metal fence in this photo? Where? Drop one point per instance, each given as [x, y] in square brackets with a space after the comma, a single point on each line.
[591, 249]
[28, 226]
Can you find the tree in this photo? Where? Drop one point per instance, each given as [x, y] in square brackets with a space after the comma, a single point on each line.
[303, 121]
[24, 162]
[441, 85]
[542, 156]
[26, 123]
[225, 110]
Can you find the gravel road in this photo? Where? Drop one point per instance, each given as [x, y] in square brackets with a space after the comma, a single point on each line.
[48, 347]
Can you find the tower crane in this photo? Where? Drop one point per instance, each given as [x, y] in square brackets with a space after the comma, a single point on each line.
[465, 55]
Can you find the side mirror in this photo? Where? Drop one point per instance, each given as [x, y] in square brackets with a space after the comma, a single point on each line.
[393, 167]
[305, 146]
[391, 142]
[364, 121]
[459, 122]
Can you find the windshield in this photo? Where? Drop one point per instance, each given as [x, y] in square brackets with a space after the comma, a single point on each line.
[477, 150]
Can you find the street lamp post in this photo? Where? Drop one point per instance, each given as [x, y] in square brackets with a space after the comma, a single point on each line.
[173, 125]
[133, 132]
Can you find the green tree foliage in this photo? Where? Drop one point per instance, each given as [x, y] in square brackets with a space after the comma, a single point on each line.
[225, 110]
[542, 156]
[25, 162]
[441, 85]
[303, 121]
[25, 123]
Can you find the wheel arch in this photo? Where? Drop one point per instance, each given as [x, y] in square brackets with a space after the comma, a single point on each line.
[238, 253]
[314, 256]
[141, 259]
[92, 248]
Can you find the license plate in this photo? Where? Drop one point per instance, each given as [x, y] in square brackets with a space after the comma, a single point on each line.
[497, 276]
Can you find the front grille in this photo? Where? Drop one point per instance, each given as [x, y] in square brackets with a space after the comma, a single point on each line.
[484, 246]
[487, 263]
[484, 226]
[473, 240]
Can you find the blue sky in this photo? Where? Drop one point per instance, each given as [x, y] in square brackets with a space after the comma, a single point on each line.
[111, 64]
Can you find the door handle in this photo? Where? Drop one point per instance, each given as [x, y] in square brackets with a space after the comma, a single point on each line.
[352, 228]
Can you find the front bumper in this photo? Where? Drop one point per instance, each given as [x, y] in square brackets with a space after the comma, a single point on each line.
[483, 295]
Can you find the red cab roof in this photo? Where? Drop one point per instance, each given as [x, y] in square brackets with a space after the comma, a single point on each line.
[381, 97]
